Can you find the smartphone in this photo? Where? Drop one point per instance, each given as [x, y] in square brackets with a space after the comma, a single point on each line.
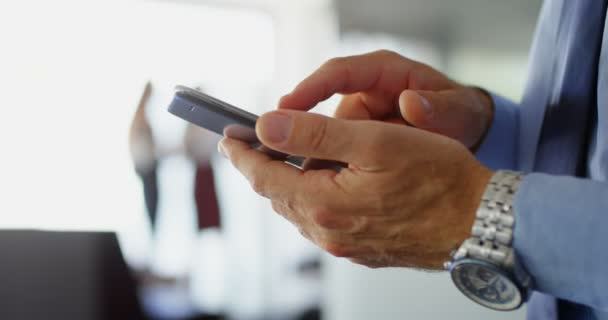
[222, 118]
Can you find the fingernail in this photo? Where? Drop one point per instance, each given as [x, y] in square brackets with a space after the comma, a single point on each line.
[277, 127]
[426, 105]
[220, 149]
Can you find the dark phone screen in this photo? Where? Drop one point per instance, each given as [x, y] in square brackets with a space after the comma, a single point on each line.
[211, 115]
[222, 118]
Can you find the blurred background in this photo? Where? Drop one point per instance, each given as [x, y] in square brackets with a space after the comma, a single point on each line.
[88, 149]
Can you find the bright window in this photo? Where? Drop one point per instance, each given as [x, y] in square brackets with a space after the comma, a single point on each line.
[71, 73]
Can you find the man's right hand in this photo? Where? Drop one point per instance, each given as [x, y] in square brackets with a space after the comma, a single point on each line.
[386, 86]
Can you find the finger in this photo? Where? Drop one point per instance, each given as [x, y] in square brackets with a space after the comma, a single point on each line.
[368, 106]
[351, 107]
[280, 181]
[316, 136]
[453, 113]
[298, 220]
[346, 75]
[253, 164]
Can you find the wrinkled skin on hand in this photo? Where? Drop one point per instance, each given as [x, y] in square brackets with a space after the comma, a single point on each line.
[409, 193]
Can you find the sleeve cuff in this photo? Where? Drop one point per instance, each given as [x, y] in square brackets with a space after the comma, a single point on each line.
[499, 148]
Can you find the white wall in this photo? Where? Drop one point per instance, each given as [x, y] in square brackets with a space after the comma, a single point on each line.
[503, 72]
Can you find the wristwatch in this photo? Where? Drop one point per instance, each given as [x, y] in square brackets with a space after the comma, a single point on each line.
[483, 268]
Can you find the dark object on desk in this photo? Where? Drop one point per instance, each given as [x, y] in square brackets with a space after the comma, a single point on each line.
[64, 275]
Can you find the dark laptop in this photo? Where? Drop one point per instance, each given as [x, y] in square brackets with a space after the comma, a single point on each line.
[64, 275]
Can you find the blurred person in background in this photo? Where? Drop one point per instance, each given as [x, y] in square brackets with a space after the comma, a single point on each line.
[167, 294]
[179, 160]
[430, 181]
[143, 154]
[199, 145]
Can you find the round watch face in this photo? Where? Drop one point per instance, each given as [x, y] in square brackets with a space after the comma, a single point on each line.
[486, 284]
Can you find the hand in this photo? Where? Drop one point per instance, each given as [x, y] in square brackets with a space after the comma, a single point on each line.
[385, 86]
[408, 197]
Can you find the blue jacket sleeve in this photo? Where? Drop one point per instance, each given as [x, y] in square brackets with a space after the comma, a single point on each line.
[561, 230]
[499, 148]
[561, 237]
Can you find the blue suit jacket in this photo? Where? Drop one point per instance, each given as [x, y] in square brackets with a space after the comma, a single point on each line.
[561, 232]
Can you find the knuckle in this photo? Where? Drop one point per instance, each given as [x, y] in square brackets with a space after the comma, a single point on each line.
[376, 142]
[305, 234]
[333, 62]
[362, 225]
[318, 136]
[283, 208]
[337, 250]
[386, 53]
[262, 180]
[290, 204]
[278, 208]
[325, 219]
[258, 185]
[235, 159]
[365, 262]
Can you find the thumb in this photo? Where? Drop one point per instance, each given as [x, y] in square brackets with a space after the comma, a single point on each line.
[459, 113]
[316, 136]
